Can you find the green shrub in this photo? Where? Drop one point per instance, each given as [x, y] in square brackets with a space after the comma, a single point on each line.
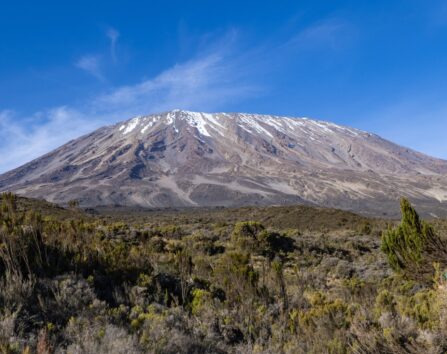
[200, 299]
[252, 237]
[413, 246]
[237, 276]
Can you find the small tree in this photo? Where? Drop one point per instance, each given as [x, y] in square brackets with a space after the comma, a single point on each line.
[413, 247]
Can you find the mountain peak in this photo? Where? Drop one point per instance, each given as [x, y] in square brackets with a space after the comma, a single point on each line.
[207, 123]
[184, 158]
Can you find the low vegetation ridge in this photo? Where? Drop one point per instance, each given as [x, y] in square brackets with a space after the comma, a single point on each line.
[246, 280]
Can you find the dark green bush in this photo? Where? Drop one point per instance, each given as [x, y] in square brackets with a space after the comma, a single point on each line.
[413, 247]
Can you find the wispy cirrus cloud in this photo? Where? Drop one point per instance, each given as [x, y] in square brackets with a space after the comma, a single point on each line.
[331, 33]
[26, 138]
[206, 82]
[91, 65]
[113, 36]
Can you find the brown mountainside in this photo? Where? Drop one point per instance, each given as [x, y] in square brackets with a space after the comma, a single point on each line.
[181, 159]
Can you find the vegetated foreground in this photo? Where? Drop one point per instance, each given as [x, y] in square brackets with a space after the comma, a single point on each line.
[219, 282]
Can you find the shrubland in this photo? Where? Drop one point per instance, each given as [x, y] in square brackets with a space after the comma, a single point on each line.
[259, 281]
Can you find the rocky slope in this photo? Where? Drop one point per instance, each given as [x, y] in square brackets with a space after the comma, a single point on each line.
[182, 158]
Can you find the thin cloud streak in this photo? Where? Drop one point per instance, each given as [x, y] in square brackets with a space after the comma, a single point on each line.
[113, 35]
[332, 33]
[44, 131]
[91, 65]
[202, 84]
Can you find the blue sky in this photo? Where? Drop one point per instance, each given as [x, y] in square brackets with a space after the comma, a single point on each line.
[68, 67]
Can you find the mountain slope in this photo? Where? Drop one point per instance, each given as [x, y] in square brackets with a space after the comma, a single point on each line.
[182, 158]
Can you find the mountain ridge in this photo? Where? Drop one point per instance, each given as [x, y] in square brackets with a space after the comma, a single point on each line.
[182, 158]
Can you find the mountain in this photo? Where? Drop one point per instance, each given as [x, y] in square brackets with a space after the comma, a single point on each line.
[182, 158]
